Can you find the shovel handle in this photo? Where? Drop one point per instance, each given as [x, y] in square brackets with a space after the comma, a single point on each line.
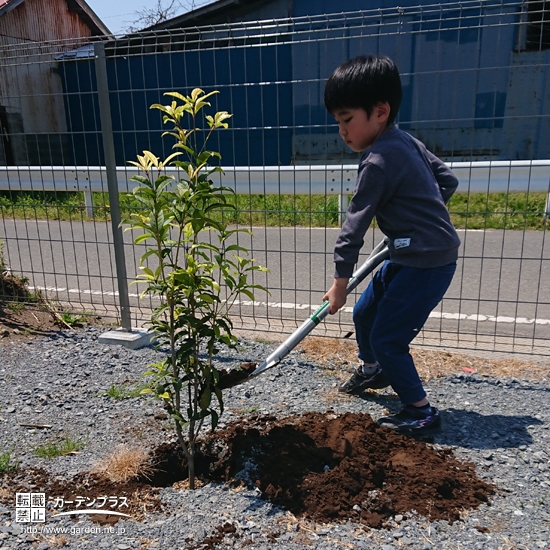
[379, 254]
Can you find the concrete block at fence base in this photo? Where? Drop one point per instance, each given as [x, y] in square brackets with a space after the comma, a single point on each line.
[134, 340]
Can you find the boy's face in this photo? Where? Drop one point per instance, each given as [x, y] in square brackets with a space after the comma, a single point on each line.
[360, 131]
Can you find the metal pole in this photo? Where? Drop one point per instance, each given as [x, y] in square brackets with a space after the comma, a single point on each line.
[343, 203]
[112, 183]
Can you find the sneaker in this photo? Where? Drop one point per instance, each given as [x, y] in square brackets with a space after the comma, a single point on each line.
[360, 381]
[413, 421]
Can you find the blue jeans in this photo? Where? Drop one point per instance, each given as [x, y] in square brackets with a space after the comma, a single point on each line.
[390, 313]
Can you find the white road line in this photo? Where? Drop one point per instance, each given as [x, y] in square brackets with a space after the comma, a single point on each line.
[290, 305]
[491, 318]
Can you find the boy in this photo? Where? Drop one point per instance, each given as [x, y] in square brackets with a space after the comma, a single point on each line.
[406, 188]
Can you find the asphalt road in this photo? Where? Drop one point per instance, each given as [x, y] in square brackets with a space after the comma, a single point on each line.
[501, 288]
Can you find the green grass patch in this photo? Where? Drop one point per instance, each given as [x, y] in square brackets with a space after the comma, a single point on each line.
[123, 391]
[73, 319]
[16, 307]
[283, 210]
[65, 446]
[43, 205]
[7, 462]
[270, 210]
[475, 211]
[499, 211]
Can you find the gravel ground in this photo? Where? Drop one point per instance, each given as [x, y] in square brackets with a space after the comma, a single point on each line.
[499, 424]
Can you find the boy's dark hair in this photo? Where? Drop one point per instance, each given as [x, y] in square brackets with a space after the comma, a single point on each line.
[362, 82]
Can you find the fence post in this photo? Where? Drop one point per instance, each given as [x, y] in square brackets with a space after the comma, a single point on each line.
[112, 183]
[343, 203]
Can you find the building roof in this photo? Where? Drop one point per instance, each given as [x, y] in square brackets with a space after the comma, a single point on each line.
[88, 16]
[78, 6]
[197, 16]
[8, 5]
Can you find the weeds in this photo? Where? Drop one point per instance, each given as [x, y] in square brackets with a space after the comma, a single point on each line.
[14, 288]
[54, 449]
[16, 307]
[250, 410]
[123, 391]
[519, 211]
[7, 463]
[73, 319]
[64, 318]
[262, 340]
[468, 211]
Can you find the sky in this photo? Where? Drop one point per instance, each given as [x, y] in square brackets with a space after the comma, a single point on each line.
[119, 14]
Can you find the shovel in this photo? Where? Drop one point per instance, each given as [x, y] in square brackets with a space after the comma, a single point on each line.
[247, 371]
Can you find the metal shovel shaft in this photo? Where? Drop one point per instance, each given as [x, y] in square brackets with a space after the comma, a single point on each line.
[379, 254]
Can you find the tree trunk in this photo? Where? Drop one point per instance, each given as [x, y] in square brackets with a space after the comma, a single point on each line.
[191, 466]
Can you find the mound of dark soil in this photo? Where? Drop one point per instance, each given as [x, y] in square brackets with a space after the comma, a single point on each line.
[329, 467]
[321, 466]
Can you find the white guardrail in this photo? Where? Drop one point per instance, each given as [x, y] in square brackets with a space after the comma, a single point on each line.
[475, 177]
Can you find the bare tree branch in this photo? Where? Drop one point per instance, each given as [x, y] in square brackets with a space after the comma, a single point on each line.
[162, 10]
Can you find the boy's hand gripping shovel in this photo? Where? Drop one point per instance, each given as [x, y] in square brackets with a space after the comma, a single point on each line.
[250, 370]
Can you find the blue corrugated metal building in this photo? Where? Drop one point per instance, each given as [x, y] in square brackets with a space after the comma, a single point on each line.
[474, 75]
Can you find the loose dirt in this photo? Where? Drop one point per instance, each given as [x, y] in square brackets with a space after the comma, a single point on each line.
[329, 467]
[322, 467]
[20, 323]
[231, 378]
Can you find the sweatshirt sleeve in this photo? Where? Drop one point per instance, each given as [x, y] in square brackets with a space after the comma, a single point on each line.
[444, 176]
[369, 191]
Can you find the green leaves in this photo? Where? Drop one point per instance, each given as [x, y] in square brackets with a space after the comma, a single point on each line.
[148, 161]
[217, 121]
[193, 262]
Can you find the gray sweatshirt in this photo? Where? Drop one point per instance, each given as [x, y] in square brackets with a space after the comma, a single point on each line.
[406, 187]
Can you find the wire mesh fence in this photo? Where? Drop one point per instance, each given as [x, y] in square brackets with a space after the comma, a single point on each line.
[73, 113]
